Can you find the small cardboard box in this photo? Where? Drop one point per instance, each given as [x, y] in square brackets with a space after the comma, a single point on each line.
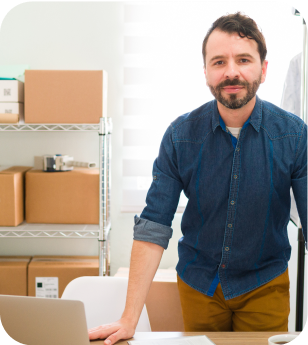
[13, 275]
[11, 91]
[49, 275]
[53, 96]
[12, 195]
[65, 197]
[11, 112]
[163, 301]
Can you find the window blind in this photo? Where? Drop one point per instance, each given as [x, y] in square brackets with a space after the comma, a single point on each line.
[163, 79]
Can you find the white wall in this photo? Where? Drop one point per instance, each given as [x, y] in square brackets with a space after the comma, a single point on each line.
[71, 36]
[89, 36]
[61, 36]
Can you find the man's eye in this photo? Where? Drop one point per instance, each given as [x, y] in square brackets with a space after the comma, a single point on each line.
[244, 60]
[218, 62]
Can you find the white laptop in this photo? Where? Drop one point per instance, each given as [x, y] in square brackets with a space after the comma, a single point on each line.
[43, 321]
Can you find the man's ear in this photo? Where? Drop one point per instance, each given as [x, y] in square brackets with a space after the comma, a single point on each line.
[204, 71]
[264, 71]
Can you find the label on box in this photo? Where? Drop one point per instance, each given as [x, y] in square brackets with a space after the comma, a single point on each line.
[11, 91]
[47, 287]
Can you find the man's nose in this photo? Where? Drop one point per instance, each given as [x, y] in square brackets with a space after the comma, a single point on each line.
[232, 71]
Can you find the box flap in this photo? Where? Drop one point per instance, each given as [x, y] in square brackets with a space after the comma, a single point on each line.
[59, 258]
[47, 260]
[59, 262]
[76, 170]
[15, 258]
[15, 169]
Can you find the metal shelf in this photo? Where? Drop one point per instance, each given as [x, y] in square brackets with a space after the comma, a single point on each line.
[99, 232]
[104, 127]
[56, 231]
[49, 127]
[51, 230]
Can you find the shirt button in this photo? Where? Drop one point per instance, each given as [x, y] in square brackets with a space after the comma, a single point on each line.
[227, 248]
[154, 177]
[229, 225]
[237, 149]
[232, 202]
[235, 177]
[223, 266]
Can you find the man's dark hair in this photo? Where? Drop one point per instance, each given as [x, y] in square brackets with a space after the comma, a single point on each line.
[241, 24]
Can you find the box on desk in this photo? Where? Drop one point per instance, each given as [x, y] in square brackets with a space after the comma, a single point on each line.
[163, 301]
[12, 195]
[13, 275]
[65, 197]
[49, 275]
[53, 96]
[11, 91]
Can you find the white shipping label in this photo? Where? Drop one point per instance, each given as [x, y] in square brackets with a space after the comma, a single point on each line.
[47, 287]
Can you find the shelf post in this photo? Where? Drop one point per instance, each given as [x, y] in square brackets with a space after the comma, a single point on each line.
[104, 195]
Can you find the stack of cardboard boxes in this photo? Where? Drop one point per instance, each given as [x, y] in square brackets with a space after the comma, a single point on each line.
[53, 96]
[71, 197]
[11, 101]
[43, 276]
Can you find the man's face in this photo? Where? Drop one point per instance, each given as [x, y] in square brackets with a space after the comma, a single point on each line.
[233, 68]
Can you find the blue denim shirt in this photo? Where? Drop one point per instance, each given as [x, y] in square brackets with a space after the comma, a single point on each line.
[235, 223]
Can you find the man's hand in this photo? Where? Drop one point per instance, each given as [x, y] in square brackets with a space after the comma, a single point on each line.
[121, 329]
[144, 261]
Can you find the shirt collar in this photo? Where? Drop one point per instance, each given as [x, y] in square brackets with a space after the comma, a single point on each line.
[254, 119]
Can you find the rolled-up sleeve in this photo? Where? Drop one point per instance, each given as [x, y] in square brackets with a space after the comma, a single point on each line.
[299, 180]
[154, 223]
[148, 231]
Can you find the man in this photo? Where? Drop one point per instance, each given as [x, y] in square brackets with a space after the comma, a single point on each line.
[236, 158]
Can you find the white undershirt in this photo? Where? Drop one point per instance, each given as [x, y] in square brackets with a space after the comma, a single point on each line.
[235, 131]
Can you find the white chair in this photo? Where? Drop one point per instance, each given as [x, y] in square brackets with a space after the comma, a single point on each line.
[104, 300]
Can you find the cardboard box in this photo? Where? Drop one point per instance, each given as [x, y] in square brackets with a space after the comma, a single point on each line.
[53, 96]
[12, 195]
[11, 112]
[163, 301]
[11, 91]
[49, 275]
[164, 307]
[66, 197]
[13, 275]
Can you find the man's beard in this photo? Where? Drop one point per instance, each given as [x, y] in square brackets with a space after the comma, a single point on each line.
[232, 102]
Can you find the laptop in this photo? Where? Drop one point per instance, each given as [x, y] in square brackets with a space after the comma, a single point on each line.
[43, 321]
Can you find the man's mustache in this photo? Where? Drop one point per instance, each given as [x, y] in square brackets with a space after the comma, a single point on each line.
[234, 82]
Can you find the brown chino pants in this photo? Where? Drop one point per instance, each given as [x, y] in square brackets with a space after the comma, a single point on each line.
[265, 309]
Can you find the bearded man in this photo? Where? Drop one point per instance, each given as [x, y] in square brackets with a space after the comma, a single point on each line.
[235, 158]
